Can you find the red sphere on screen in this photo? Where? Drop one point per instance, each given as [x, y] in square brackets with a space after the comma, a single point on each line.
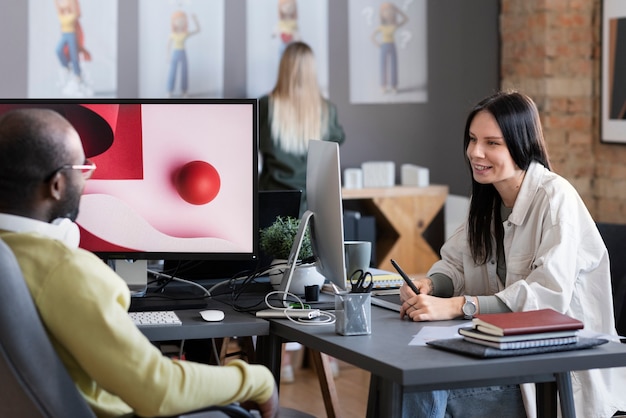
[198, 182]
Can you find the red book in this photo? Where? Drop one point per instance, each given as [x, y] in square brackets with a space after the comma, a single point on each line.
[526, 322]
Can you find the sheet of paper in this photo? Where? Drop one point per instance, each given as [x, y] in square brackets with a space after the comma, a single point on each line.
[592, 334]
[430, 332]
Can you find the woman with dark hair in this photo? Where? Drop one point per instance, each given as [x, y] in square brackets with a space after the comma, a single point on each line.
[529, 243]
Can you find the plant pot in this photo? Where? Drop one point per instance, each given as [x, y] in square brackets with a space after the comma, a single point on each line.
[303, 275]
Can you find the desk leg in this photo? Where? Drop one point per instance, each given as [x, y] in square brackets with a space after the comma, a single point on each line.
[269, 353]
[546, 399]
[566, 396]
[385, 398]
[327, 383]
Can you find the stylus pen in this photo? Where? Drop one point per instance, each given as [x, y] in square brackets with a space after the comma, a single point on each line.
[405, 277]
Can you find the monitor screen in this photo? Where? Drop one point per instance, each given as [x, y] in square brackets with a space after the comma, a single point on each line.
[175, 178]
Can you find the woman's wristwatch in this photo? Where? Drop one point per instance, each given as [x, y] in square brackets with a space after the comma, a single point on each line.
[469, 307]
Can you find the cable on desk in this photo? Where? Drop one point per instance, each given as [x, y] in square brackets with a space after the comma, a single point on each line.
[238, 289]
[330, 317]
[178, 279]
[165, 277]
[239, 285]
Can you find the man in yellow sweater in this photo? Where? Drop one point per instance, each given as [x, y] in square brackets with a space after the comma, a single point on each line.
[82, 302]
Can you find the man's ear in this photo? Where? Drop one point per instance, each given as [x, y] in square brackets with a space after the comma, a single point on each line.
[56, 185]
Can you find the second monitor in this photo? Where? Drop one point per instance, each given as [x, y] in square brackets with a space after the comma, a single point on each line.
[324, 214]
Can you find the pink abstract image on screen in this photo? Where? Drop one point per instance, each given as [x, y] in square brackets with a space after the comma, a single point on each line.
[162, 210]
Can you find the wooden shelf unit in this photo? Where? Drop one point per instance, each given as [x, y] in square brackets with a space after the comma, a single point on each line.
[402, 215]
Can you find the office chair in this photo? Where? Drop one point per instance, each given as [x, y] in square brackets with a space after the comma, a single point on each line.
[614, 236]
[33, 379]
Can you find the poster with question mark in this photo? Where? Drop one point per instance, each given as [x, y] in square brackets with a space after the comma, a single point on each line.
[388, 51]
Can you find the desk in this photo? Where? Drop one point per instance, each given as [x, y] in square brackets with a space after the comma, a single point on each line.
[235, 324]
[398, 368]
[402, 215]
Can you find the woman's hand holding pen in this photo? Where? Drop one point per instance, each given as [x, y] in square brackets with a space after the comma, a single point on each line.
[423, 284]
[409, 297]
[424, 307]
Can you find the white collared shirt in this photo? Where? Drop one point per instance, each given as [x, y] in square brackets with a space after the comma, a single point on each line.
[62, 229]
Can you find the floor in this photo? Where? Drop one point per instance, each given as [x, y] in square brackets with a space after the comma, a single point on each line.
[304, 393]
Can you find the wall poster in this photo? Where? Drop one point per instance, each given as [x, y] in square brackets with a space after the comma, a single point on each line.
[388, 51]
[271, 25]
[613, 101]
[181, 48]
[72, 48]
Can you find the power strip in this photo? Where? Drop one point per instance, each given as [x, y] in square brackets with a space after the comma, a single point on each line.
[293, 313]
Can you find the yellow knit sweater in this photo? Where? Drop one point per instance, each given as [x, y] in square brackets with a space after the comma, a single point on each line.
[83, 305]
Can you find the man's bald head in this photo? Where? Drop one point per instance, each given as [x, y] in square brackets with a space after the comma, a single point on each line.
[33, 143]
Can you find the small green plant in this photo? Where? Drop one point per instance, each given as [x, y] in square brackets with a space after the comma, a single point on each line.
[276, 240]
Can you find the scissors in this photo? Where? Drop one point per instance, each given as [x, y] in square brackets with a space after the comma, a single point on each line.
[358, 280]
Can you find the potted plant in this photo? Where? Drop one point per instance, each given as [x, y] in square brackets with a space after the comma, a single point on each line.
[276, 241]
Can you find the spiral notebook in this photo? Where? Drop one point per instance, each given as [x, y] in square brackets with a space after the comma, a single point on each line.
[513, 345]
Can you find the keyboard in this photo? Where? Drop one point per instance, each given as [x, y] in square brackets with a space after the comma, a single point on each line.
[153, 318]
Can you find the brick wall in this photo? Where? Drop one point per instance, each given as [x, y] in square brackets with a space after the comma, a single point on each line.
[550, 50]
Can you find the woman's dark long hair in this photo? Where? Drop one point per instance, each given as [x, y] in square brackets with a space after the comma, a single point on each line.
[518, 119]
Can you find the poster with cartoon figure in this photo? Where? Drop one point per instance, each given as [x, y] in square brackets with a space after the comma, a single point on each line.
[72, 49]
[271, 26]
[287, 29]
[181, 48]
[388, 51]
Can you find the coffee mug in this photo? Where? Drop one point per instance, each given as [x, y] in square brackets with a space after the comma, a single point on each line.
[358, 255]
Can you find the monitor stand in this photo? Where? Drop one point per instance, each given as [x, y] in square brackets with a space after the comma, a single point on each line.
[134, 273]
[292, 261]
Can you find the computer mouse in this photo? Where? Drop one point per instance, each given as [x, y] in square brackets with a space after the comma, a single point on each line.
[212, 315]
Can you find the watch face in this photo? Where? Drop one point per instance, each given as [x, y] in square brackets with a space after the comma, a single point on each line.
[469, 308]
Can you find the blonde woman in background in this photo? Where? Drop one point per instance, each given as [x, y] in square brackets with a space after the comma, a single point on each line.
[294, 113]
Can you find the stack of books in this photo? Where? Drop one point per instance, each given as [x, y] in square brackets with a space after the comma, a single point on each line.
[527, 329]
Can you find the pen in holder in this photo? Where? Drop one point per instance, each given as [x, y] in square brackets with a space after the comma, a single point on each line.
[353, 313]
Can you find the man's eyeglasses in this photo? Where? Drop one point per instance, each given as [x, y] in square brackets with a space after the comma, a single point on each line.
[86, 169]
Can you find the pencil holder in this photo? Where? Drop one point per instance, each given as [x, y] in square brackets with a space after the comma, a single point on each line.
[353, 313]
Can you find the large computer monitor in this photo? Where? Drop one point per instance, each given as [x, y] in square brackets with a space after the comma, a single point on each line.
[324, 215]
[175, 178]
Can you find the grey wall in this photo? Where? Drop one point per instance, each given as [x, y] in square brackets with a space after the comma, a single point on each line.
[463, 67]
[463, 63]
